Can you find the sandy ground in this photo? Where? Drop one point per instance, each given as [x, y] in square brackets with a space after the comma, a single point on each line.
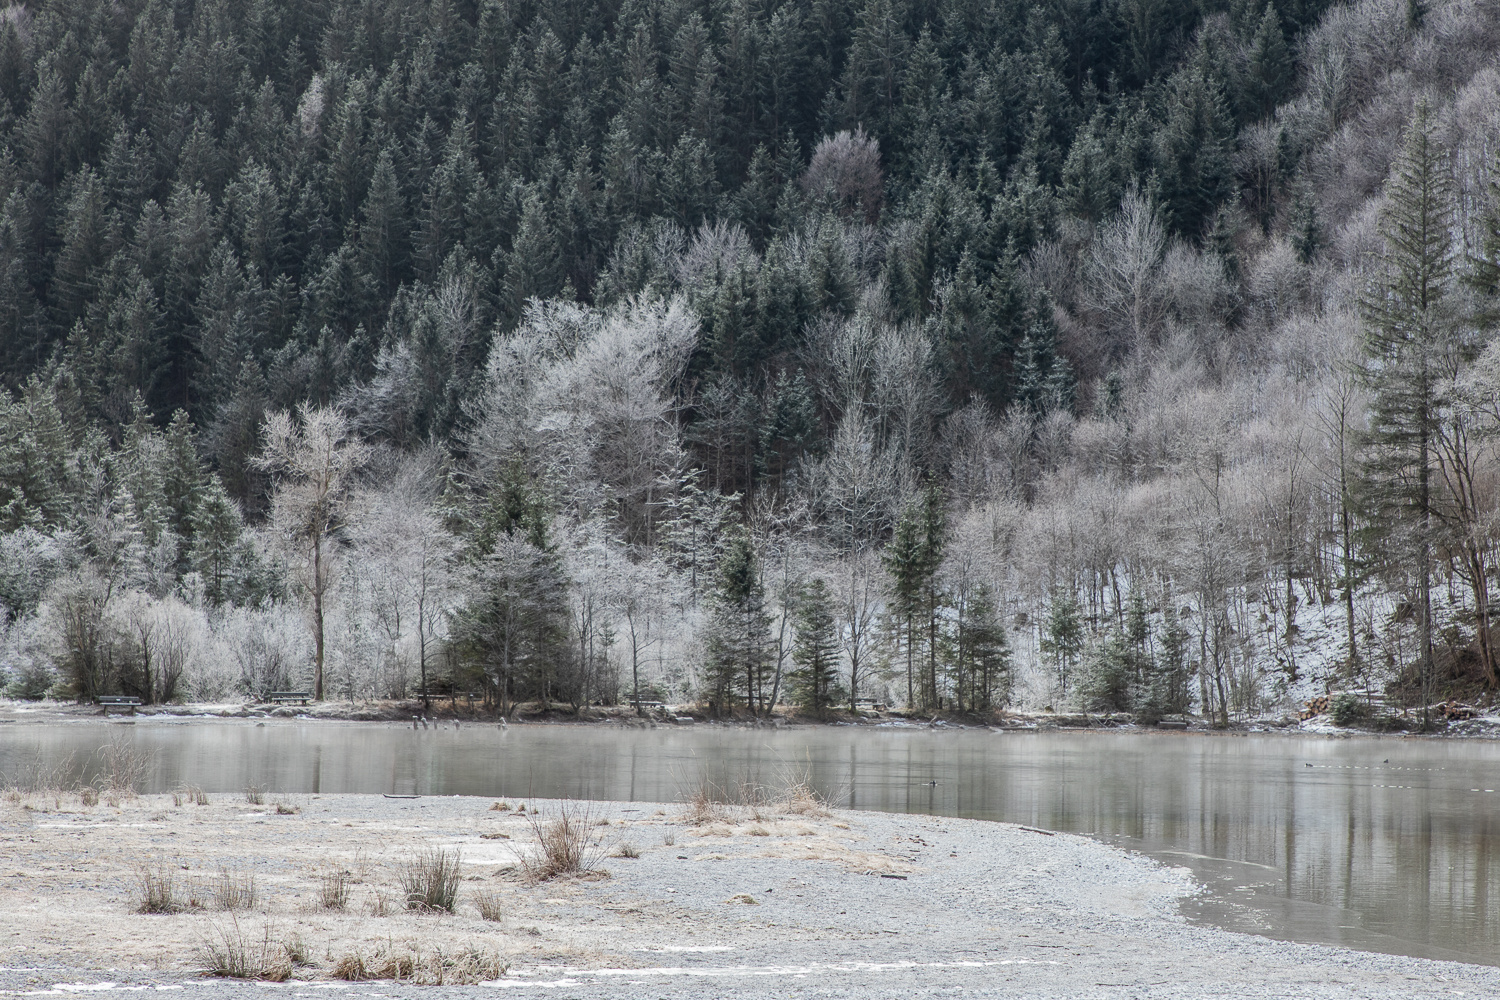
[772, 902]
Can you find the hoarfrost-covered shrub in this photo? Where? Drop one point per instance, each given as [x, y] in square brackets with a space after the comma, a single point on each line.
[263, 649]
[29, 562]
[26, 671]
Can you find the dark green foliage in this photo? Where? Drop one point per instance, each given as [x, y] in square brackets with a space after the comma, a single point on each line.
[1307, 235]
[1194, 149]
[738, 634]
[1348, 709]
[1107, 681]
[1062, 636]
[815, 650]
[1165, 691]
[1270, 65]
[982, 654]
[511, 635]
[1409, 337]
[216, 210]
[912, 560]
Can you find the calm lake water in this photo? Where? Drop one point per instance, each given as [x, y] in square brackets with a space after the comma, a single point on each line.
[1381, 844]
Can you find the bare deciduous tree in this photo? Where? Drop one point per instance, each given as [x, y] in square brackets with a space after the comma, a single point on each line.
[845, 169]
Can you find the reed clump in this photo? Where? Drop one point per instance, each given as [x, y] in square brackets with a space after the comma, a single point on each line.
[234, 892]
[490, 906]
[158, 889]
[229, 953]
[335, 889]
[565, 846]
[430, 880]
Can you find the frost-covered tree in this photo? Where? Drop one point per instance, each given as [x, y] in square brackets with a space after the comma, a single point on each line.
[312, 458]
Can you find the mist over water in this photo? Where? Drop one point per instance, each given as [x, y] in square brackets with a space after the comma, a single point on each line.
[1383, 844]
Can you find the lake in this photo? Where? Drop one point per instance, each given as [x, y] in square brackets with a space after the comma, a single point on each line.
[1381, 844]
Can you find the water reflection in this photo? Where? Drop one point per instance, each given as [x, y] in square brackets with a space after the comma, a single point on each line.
[1383, 844]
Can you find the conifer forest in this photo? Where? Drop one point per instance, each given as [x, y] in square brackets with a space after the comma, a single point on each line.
[961, 355]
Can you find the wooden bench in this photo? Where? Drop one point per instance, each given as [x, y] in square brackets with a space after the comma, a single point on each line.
[284, 696]
[109, 701]
[648, 705]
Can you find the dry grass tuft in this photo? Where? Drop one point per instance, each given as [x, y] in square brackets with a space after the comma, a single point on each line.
[228, 953]
[351, 968]
[287, 809]
[501, 806]
[255, 795]
[430, 881]
[379, 905]
[627, 850]
[88, 797]
[801, 799]
[703, 809]
[297, 951]
[121, 768]
[334, 890]
[712, 802]
[412, 965]
[490, 905]
[158, 888]
[669, 838]
[234, 892]
[564, 846]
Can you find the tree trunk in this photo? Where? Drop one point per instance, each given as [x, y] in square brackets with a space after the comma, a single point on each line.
[317, 585]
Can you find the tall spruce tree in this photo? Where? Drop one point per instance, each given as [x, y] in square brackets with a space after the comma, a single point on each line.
[985, 653]
[1408, 337]
[1062, 635]
[902, 560]
[912, 560]
[739, 626]
[815, 650]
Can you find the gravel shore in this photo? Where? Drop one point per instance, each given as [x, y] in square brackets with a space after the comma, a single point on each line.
[774, 902]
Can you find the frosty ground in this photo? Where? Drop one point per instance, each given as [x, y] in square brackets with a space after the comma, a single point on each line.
[747, 903]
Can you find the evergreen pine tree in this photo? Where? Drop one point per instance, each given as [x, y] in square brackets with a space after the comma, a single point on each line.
[512, 632]
[1306, 234]
[1408, 336]
[1062, 635]
[218, 552]
[738, 632]
[1270, 70]
[988, 652]
[934, 541]
[815, 650]
[903, 561]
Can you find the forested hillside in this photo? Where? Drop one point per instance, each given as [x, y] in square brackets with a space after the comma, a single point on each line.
[1122, 354]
